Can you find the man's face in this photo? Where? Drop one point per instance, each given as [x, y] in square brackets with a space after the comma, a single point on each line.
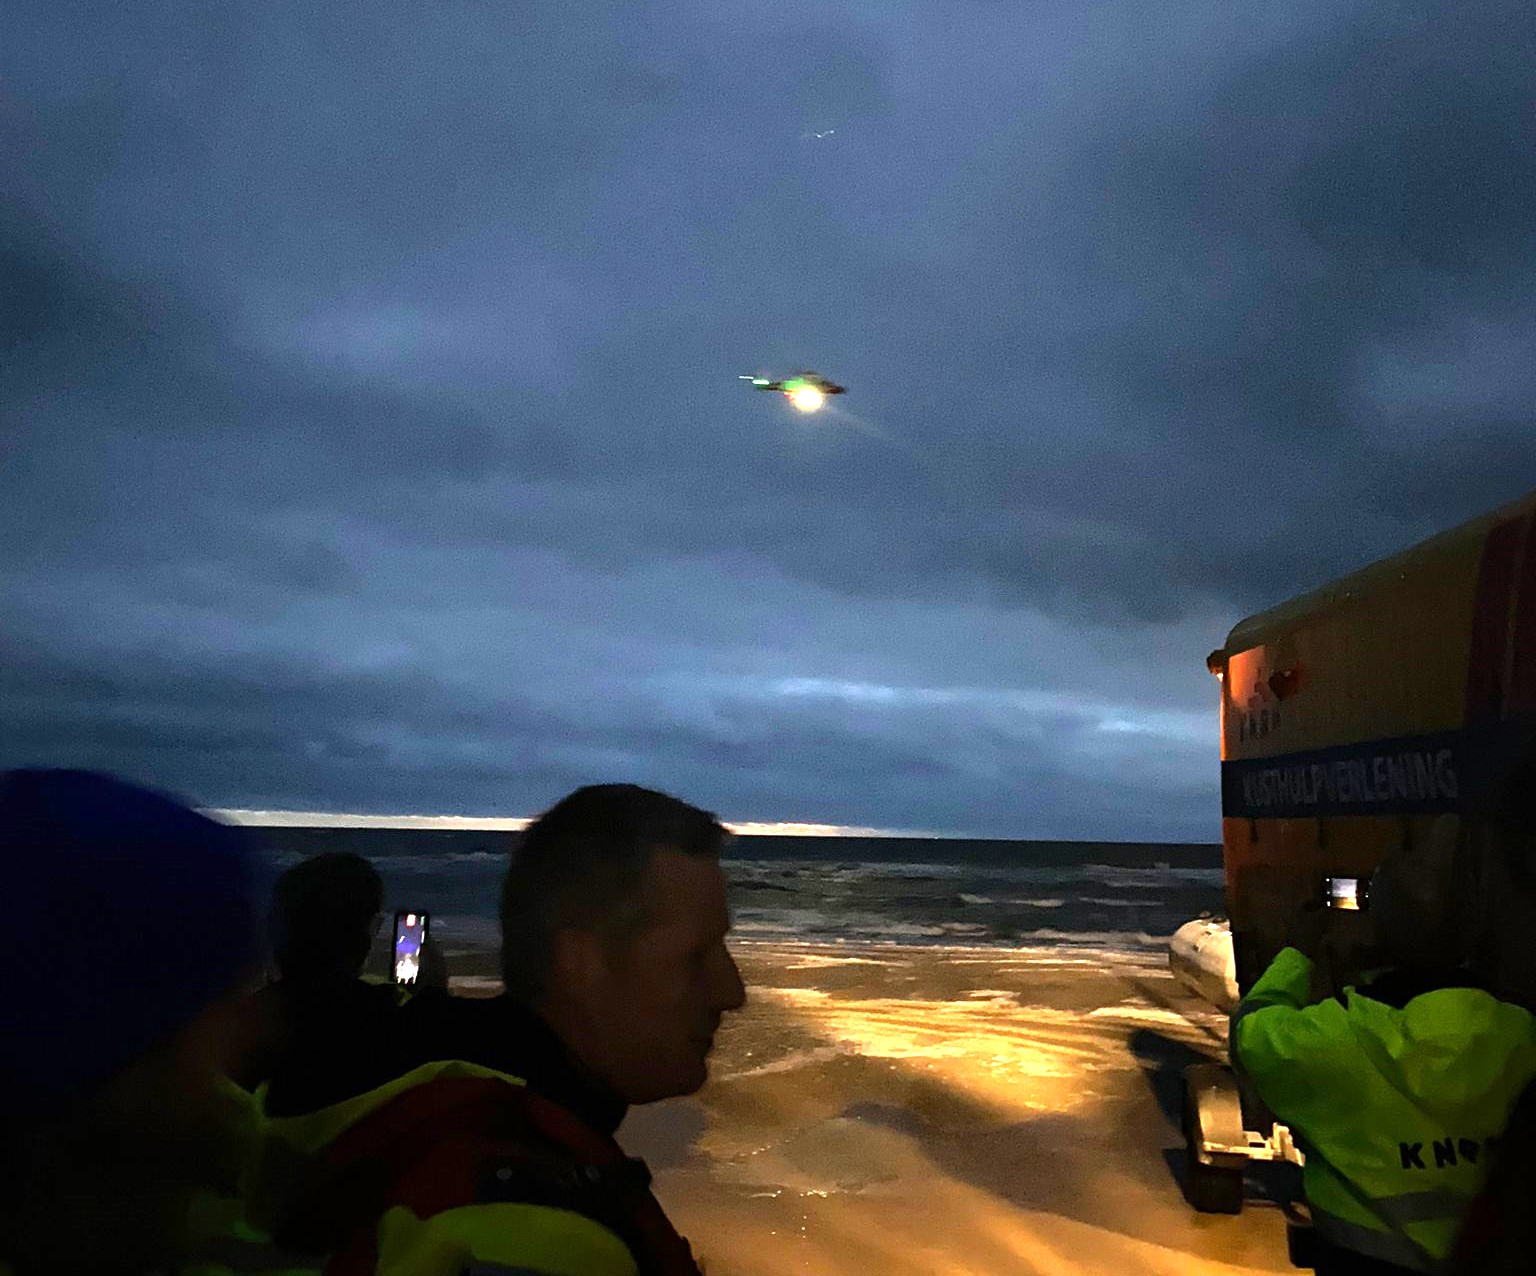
[650, 1006]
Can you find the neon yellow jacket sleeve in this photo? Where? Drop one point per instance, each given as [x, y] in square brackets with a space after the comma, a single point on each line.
[1287, 1048]
[507, 1236]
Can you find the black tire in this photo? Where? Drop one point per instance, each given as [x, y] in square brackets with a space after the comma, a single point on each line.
[1301, 1245]
[1213, 1189]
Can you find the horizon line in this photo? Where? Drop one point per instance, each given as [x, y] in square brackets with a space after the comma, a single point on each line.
[257, 818]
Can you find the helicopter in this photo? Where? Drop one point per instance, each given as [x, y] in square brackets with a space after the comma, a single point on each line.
[806, 390]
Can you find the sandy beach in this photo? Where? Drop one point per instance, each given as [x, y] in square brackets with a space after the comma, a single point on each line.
[893, 1109]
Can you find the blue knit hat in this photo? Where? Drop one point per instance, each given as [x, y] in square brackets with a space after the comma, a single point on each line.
[123, 914]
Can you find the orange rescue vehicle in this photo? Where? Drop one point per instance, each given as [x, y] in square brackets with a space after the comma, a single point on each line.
[1354, 718]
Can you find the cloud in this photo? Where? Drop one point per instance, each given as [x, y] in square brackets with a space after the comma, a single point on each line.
[370, 436]
[260, 732]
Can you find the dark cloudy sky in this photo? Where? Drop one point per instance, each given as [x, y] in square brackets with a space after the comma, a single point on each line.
[370, 437]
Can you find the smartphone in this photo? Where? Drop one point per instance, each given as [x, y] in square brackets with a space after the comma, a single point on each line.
[410, 935]
[1351, 894]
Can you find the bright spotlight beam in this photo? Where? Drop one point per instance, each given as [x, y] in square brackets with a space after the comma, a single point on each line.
[807, 398]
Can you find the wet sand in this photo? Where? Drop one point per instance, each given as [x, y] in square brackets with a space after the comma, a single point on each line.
[896, 1110]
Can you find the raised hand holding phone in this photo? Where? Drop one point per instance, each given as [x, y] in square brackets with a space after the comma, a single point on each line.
[410, 935]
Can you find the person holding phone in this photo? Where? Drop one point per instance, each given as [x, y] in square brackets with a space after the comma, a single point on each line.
[329, 1031]
[1396, 1090]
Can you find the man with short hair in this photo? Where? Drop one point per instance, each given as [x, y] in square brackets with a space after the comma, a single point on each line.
[1397, 1089]
[500, 1155]
[325, 1030]
[130, 923]
[326, 911]
[614, 921]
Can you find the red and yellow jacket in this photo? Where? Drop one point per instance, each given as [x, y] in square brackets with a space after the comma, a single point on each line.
[456, 1168]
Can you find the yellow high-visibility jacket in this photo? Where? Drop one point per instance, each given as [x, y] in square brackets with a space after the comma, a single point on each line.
[1395, 1107]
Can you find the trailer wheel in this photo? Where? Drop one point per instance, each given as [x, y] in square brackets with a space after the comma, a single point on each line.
[1210, 1188]
[1213, 1189]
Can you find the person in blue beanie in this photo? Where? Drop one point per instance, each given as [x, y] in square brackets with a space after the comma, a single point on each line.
[130, 923]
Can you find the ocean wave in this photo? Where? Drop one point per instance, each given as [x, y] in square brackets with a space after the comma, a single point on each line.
[790, 926]
[497, 858]
[813, 923]
[965, 897]
[742, 869]
[859, 871]
[792, 920]
[886, 929]
[1115, 875]
[996, 906]
[474, 983]
[456, 863]
[1112, 939]
[1143, 961]
[1123, 877]
[1120, 903]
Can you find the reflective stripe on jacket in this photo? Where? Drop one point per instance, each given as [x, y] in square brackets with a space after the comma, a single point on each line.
[1397, 1109]
[454, 1167]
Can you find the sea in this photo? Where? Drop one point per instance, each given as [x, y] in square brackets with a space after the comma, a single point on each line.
[837, 890]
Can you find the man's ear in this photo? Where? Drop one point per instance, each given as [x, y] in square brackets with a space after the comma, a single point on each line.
[578, 962]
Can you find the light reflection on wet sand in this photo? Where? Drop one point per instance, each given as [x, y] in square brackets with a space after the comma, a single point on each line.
[879, 1108]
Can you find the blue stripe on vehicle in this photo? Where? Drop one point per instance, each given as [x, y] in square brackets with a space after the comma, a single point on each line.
[1433, 774]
